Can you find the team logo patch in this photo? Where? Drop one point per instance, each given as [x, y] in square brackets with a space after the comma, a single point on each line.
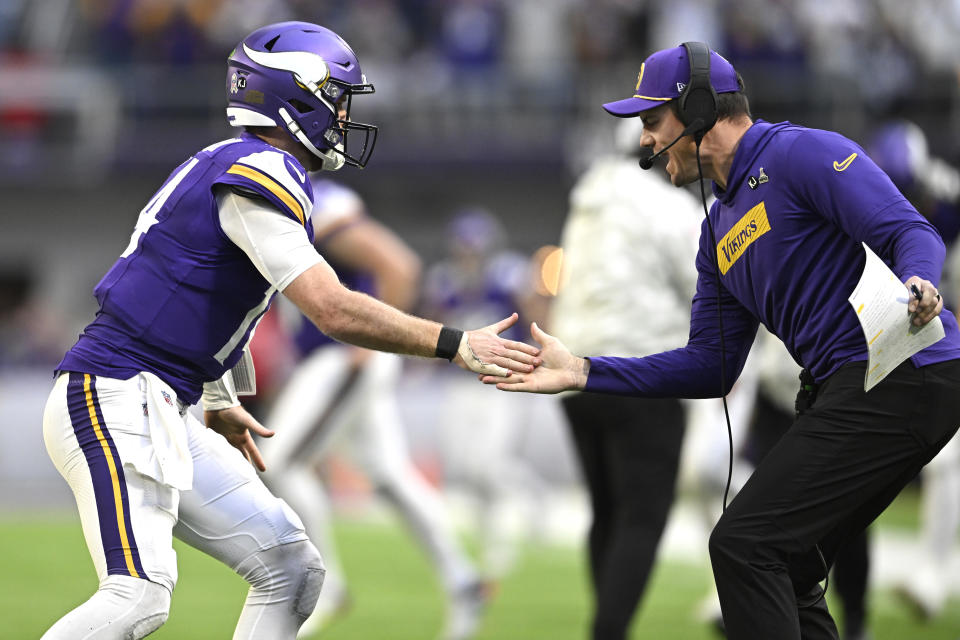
[744, 233]
[166, 397]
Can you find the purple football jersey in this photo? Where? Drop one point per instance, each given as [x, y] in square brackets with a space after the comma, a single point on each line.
[183, 299]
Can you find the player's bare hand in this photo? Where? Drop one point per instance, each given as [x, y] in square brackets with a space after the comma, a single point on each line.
[559, 370]
[484, 351]
[928, 306]
[235, 424]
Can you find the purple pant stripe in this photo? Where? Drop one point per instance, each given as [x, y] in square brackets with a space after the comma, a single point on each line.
[109, 483]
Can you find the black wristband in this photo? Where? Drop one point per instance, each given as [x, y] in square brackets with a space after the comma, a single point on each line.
[448, 342]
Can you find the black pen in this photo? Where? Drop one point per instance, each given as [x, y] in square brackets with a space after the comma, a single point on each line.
[916, 291]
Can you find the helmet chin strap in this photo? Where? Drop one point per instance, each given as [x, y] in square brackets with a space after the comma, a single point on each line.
[330, 159]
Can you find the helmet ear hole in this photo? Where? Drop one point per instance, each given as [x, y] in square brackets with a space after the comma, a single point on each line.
[300, 106]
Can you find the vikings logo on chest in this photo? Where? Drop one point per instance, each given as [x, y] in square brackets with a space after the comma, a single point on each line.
[744, 233]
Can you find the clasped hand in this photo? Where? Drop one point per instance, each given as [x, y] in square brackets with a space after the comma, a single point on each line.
[483, 351]
[559, 370]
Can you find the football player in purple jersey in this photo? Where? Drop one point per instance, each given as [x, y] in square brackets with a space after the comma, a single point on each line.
[783, 246]
[227, 230]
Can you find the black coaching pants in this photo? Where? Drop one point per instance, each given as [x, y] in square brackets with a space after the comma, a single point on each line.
[629, 451]
[837, 468]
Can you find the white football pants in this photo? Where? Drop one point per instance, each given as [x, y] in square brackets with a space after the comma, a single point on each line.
[100, 438]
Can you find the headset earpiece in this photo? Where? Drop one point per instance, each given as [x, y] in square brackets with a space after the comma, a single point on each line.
[698, 100]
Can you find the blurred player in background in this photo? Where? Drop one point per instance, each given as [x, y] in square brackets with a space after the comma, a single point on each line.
[337, 388]
[228, 229]
[933, 186]
[481, 431]
[617, 298]
[901, 149]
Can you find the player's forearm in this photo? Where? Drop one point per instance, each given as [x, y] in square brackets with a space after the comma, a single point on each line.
[361, 320]
[356, 318]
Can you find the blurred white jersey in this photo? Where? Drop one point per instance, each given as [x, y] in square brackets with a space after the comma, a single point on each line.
[603, 303]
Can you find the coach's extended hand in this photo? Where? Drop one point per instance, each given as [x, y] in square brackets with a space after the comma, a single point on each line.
[235, 424]
[483, 351]
[559, 370]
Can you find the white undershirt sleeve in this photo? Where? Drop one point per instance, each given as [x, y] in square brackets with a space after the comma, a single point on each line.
[277, 245]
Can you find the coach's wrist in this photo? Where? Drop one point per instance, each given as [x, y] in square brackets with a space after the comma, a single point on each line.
[579, 372]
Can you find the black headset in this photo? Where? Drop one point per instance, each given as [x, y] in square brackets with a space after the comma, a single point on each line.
[698, 99]
[696, 104]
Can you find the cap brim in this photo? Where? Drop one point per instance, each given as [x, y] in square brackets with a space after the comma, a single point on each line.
[630, 107]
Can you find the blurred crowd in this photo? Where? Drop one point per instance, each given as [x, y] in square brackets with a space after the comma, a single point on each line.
[853, 39]
[451, 67]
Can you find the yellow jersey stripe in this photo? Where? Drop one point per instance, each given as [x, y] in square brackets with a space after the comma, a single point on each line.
[271, 185]
[117, 499]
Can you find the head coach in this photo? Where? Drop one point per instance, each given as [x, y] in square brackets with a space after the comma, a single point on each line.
[782, 246]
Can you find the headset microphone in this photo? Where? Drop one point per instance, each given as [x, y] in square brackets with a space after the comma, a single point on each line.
[647, 163]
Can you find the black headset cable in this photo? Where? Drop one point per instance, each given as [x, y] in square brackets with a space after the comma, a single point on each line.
[723, 378]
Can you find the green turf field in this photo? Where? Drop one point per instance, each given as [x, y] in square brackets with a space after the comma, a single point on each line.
[47, 571]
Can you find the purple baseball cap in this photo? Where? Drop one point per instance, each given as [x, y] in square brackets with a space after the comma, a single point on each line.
[663, 76]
